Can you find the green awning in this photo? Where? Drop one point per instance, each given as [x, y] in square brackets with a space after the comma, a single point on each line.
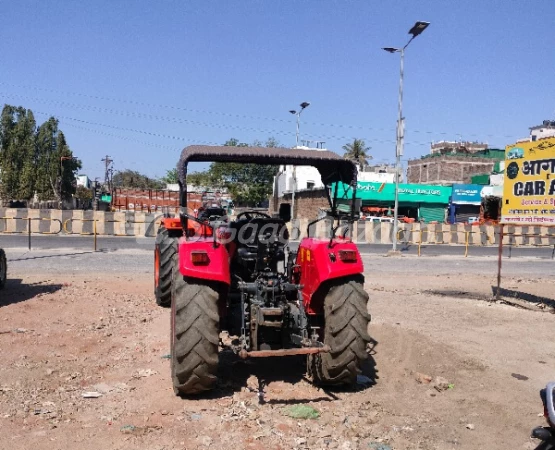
[408, 193]
[482, 179]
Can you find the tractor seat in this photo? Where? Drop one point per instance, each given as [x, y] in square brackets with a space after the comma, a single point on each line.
[260, 229]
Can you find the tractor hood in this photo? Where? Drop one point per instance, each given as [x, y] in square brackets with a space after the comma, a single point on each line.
[332, 167]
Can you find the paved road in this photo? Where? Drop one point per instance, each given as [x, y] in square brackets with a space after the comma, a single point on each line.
[124, 261]
[109, 243]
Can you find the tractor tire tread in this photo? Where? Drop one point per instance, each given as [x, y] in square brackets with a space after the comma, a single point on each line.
[195, 343]
[346, 324]
[167, 246]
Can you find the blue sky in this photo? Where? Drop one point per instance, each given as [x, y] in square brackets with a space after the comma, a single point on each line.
[139, 80]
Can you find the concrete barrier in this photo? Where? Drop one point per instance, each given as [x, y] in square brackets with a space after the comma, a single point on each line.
[146, 225]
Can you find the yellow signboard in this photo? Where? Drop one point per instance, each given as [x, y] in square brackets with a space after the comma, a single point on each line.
[529, 186]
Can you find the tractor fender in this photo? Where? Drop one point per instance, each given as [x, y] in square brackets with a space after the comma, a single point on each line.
[215, 265]
[319, 262]
[171, 223]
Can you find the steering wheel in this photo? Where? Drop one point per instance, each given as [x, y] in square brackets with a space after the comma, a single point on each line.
[249, 215]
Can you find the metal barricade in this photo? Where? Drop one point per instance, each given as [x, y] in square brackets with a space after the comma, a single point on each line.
[29, 228]
[422, 233]
[94, 232]
[514, 243]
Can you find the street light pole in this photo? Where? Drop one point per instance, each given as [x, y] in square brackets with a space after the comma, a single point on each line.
[417, 29]
[303, 105]
[298, 123]
[398, 153]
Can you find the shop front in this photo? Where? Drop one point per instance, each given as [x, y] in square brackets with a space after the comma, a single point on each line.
[490, 211]
[465, 203]
[417, 202]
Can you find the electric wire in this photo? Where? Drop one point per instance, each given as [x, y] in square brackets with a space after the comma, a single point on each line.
[241, 116]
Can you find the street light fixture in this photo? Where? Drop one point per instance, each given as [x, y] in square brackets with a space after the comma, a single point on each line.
[303, 106]
[416, 30]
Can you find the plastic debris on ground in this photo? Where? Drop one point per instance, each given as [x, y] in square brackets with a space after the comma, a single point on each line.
[363, 380]
[378, 446]
[301, 412]
[91, 394]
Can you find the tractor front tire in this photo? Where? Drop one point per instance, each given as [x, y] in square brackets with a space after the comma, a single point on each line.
[165, 248]
[194, 334]
[3, 269]
[346, 323]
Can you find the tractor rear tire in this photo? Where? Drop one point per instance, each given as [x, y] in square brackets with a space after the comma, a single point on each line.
[164, 250]
[346, 324]
[3, 269]
[194, 334]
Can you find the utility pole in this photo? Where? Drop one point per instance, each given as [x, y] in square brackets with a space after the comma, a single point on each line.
[107, 167]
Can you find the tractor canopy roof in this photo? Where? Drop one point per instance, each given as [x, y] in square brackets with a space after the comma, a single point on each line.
[332, 167]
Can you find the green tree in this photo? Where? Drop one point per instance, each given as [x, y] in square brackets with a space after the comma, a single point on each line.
[56, 166]
[8, 158]
[170, 177]
[357, 152]
[69, 166]
[135, 180]
[17, 153]
[235, 143]
[272, 142]
[27, 130]
[199, 179]
[34, 160]
[46, 185]
[247, 183]
[83, 194]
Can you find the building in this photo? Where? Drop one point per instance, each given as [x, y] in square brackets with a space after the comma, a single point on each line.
[307, 177]
[83, 180]
[546, 129]
[457, 147]
[380, 173]
[454, 168]
[425, 203]
[466, 201]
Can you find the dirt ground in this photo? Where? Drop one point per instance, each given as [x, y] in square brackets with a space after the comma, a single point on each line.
[64, 336]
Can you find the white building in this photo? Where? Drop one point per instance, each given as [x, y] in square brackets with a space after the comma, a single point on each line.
[308, 177]
[378, 177]
[545, 130]
[83, 180]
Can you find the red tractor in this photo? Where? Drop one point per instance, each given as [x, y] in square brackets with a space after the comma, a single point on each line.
[241, 277]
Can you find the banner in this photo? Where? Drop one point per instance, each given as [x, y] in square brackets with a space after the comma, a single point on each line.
[467, 194]
[408, 193]
[529, 188]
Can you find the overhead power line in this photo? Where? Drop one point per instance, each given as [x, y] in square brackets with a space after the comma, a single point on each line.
[117, 136]
[241, 116]
[179, 138]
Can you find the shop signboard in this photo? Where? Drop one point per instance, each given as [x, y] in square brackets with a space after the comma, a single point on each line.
[408, 193]
[529, 187]
[467, 194]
